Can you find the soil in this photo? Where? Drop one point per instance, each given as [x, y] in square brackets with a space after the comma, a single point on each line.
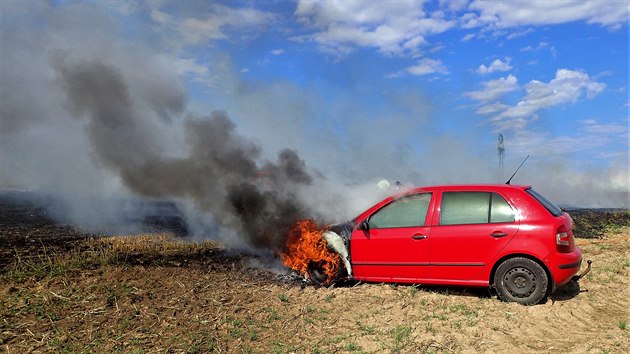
[205, 299]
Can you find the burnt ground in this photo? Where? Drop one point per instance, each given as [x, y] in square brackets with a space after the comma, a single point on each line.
[27, 229]
[28, 234]
[64, 289]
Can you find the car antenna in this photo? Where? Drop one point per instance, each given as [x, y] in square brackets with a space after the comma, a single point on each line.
[514, 174]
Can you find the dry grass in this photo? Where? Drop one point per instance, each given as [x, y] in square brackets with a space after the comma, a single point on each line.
[92, 253]
[153, 293]
[150, 244]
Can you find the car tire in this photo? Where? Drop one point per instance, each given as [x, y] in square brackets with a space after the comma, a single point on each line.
[316, 273]
[521, 280]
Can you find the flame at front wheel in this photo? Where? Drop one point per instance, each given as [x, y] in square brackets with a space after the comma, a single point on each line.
[307, 253]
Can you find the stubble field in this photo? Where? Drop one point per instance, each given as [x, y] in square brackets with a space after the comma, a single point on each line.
[64, 290]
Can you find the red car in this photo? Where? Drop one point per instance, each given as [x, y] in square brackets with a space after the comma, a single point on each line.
[504, 236]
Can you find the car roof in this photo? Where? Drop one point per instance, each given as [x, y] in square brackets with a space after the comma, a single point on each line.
[467, 187]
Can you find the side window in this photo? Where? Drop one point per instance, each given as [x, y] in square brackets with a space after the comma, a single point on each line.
[501, 210]
[465, 208]
[407, 211]
[474, 208]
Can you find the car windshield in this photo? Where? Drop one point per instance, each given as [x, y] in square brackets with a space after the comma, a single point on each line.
[549, 205]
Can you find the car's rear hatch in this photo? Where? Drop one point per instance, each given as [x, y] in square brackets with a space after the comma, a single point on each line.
[564, 224]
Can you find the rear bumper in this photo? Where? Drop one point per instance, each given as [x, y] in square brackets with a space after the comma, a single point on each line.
[571, 265]
[563, 266]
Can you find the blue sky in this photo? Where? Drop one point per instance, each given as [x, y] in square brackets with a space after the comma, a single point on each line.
[551, 76]
[409, 90]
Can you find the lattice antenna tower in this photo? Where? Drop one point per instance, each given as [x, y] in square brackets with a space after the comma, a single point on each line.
[501, 154]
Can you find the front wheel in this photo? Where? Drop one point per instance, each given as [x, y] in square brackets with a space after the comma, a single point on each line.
[316, 274]
[521, 280]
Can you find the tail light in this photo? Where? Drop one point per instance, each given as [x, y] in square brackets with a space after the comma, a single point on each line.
[564, 240]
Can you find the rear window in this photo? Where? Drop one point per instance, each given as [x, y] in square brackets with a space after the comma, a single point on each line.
[548, 204]
[500, 210]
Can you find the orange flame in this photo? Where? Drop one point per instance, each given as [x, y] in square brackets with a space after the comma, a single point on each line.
[305, 245]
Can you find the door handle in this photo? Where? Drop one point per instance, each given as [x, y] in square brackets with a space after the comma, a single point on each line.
[498, 234]
[418, 237]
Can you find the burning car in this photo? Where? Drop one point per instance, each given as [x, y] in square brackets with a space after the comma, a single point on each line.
[506, 237]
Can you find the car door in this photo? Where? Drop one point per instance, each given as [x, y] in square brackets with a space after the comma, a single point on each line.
[393, 244]
[471, 230]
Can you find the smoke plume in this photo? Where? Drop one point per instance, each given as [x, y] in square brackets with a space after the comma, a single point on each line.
[219, 172]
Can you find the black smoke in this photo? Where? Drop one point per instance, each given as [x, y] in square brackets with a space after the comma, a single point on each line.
[220, 172]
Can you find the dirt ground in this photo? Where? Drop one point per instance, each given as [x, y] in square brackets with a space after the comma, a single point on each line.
[157, 294]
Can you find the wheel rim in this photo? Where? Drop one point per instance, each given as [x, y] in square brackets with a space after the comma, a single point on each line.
[520, 282]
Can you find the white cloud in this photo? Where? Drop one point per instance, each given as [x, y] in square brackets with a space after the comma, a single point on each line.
[612, 14]
[468, 37]
[520, 33]
[542, 45]
[591, 126]
[211, 27]
[495, 66]
[567, 87]
[428, 66]
[278, 51]
[160, 16]
[196, 30]
[392, 27]
[425, 66]
[454, 5]
[437, 48]
[494, 89]
[470, 20]
[491, 108]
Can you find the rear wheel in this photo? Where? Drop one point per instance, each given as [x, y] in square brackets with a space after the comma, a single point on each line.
[521, 280]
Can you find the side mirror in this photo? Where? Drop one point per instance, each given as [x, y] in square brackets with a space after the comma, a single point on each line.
[364, 226]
